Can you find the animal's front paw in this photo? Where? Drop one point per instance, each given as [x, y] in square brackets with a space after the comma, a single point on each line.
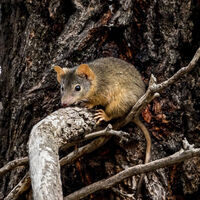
[100, 115]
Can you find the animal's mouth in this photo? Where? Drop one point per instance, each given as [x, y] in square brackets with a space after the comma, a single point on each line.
[76, 103]
[64, 105]
[80, 103]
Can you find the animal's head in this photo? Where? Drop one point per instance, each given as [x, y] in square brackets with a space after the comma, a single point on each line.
[75, 83]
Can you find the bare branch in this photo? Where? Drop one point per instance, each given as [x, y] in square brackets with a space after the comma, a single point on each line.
[108, 131]
[20, 188]
[13, 164]
[144, 168]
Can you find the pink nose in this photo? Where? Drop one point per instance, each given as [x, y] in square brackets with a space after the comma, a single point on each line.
[64, 104]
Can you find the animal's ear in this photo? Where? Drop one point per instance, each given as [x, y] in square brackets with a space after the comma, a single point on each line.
[85, 70]
[60, 71]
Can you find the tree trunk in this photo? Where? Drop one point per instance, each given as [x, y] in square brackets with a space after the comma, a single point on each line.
[158, 37]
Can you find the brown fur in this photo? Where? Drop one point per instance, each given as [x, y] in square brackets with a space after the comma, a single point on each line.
[115, 84]
[118, 86]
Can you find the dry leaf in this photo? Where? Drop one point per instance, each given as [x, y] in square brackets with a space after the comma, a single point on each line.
[146, 114]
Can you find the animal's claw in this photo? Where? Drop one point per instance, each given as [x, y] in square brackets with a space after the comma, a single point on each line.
[100, 115]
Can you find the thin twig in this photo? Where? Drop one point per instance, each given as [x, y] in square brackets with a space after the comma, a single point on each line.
[108, 131]
[144, 168]
[13, 164]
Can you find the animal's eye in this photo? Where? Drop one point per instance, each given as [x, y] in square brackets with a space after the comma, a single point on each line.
[77, 88]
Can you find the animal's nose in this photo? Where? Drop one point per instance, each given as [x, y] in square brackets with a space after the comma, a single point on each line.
[64, 104]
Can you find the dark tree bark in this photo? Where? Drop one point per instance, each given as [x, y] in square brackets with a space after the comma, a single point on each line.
[158, 37]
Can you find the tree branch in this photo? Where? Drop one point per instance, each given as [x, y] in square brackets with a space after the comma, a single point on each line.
[108, 131]
[13, 164]
[20, 188]
[144, 168]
